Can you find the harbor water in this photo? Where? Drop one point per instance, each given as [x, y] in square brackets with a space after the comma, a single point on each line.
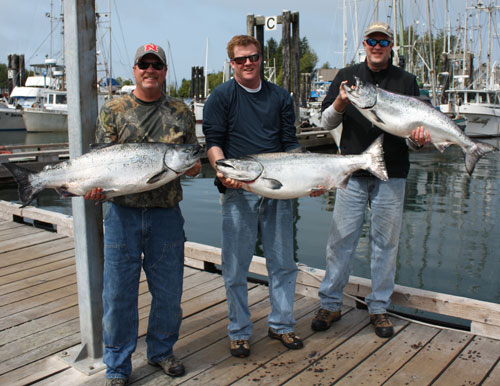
[450, 238]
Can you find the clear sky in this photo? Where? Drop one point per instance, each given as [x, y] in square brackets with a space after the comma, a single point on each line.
[183, 27]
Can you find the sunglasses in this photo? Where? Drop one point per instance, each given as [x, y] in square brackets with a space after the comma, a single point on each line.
[382, 42]
[156, 65]
[243, 59]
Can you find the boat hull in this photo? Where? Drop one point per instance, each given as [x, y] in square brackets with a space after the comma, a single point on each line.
[11, 119]
[40, 120]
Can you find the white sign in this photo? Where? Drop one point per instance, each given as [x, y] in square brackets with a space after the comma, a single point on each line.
[271, 23]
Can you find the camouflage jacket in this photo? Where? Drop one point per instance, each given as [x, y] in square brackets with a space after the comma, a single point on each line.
[128, 119]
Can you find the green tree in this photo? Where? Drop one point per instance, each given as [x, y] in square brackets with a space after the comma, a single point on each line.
[185, 89]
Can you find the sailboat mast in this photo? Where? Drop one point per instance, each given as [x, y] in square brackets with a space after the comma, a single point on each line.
[205, 92]
[110, 80]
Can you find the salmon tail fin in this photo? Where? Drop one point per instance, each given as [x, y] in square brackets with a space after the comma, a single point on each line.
[376, 165]
[475, 152]
[27, 192]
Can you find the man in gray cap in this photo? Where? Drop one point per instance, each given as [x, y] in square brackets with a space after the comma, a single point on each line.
[385, 198]
[144, 230]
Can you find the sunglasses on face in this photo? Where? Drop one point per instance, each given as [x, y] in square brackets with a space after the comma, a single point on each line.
[382, 42]
[156, 65]
[243, 59]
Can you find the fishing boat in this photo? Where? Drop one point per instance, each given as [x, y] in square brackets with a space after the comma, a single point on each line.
[50, 114]
[480, 108]
[10, 118]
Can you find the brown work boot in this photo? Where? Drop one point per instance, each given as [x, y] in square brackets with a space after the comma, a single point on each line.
[383, 326]
[240, 348]
[289, 339]
[324, 319]
[170, 366]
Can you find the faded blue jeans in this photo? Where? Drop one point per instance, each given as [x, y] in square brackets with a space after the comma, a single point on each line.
[244, 214]
[159, 234]
[386, 203]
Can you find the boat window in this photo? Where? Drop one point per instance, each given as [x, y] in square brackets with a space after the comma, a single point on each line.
[491, 97]
[61, 99]
[50, 98]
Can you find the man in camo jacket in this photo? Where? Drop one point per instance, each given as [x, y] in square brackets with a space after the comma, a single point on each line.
[148, 223]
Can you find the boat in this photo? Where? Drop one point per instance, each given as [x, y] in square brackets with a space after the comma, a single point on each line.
[480, 108]
[50, 114]
[10, 118]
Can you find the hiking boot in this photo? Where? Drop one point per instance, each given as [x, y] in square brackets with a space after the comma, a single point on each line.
[289, 340]
[324, 319]
[171, 366]
[383, 326]
[240, 348]
[115, 382]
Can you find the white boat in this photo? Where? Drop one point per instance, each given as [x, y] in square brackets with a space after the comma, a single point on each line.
[480, 108]
[51, 114]
[10, 118]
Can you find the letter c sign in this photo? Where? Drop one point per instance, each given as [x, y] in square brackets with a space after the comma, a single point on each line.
[271, 23]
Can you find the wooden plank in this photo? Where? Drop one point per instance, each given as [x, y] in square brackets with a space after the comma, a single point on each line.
[34, 284]
[8, 225]
[35, 371]
[39, 311]
[35, 251]
[333, 365]
[15, 233]
[36, 300]
[426, 366]
[28, 240]
[36, 290]
[485, 329]
[493, 378]
[39, 324]
[40, 352]
[198, 322]
[37, 343]
[266, 367]
[21, 274]
[473, 364]
[382, 364]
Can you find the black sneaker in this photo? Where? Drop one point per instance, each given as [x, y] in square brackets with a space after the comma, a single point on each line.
[324, 319]
[240, 348]
[289, 340]
[383, 326]
[171, 366]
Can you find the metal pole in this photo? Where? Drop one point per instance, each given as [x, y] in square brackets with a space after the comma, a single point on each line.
[80, 44]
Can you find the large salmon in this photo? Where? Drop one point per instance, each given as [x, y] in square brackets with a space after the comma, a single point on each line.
[116, 168]
[399, 115]
[291, 175]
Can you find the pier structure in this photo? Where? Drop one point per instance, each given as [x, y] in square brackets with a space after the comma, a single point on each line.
[40, 327]
[291, 56]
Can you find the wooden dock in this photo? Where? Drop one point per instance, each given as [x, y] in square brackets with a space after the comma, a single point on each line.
[39, 323]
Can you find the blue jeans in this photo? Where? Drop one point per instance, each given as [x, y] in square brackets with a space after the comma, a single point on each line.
[386, 203]
[244, 214]
[158, 234]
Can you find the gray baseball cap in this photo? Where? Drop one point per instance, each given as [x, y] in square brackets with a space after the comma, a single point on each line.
[379, 26]
[150, 48]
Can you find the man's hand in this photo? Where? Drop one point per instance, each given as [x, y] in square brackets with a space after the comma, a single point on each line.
[194, 170]
[318, 191]
[94, 194]
[420, 136]
[229, 182]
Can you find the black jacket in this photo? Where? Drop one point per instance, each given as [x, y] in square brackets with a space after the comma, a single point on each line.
[358, 133]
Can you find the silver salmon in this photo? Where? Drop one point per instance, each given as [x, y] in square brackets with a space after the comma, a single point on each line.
[399, 115]
[116, 168]
[291, 175]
